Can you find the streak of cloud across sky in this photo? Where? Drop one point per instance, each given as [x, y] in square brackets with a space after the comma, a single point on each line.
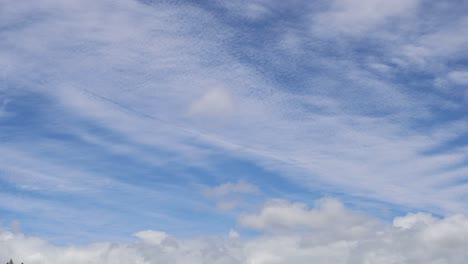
[248, 131]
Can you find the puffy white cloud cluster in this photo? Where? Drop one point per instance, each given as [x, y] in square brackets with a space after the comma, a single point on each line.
[328, 233]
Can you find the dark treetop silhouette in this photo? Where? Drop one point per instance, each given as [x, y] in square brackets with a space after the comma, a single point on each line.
[11, 262]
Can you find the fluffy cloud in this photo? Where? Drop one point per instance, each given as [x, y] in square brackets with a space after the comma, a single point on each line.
[415, 238]
[412, 220]
[280, 214]
[152, 237]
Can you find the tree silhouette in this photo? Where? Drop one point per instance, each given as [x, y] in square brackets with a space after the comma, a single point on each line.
[11, 262]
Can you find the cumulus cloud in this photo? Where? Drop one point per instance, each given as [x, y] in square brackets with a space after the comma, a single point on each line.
[432, 241]
[233, 234]
[151, 237]
[412, 220]
[280, 214]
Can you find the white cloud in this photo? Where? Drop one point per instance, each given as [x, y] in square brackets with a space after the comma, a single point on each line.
[228, 188]
[357, 17]
[281, 215]
[433, 49]
[380, 67]
[214, 103]
[436, 241]
[412, 220]
[142, 92]
[250, 9]
[151, 237]
[230, 195]
[3, 104]
[233, 234]
[459, 77]
[228, 205]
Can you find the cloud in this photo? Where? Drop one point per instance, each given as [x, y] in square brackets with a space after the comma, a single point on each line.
[279, 215]
[459, 77]
[3, 105]
[436, 241]
[254, 10]
[233, 234]
[229, 188]
[228, 205]
[357, 17]
[346, 127]
[412, 220]
[230, 195]
[151, 237]
[431, 51]
[129, 79]
[215, 102]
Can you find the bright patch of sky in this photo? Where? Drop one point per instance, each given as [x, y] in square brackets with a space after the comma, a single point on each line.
[184, 124]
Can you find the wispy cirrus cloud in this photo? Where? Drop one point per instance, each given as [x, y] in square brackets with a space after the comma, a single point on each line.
[231, 188]
[459, 77]
[355, 18]
[230, 195]
[216, 102]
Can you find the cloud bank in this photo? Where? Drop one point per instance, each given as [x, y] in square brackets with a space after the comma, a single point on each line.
[332, 234]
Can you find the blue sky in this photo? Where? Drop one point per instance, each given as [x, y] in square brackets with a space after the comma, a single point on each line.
[184, 116]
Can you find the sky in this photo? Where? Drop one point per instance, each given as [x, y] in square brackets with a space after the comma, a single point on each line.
[248, 131]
